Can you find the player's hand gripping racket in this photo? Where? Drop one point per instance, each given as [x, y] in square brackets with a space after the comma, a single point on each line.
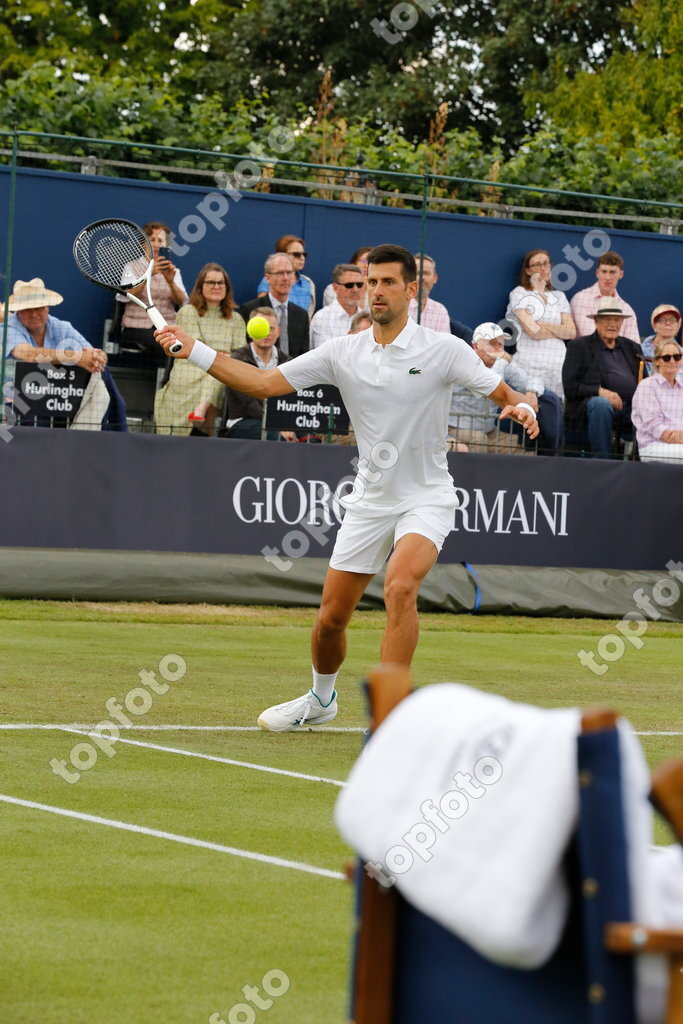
[118, 255]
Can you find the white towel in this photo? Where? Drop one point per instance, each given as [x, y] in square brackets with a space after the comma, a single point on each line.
[492, 874]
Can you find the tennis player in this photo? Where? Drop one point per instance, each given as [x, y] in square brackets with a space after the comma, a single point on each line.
[396, 379]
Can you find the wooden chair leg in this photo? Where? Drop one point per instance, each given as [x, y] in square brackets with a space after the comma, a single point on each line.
[386, 685]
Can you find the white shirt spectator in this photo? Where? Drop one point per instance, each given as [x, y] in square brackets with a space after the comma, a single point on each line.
[541, 358]
[330, 322]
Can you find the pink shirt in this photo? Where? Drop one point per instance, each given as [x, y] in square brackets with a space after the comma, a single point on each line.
[434, 315]
[657, 406]
[586, 302]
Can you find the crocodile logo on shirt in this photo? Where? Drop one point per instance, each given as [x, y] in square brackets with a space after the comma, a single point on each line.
[413, 370]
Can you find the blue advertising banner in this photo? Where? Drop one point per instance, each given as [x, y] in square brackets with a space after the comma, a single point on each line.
[129, 492]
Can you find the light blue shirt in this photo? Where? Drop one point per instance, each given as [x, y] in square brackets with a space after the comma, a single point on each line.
[58, 334]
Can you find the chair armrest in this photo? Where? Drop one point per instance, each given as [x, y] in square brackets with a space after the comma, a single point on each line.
[624, 937]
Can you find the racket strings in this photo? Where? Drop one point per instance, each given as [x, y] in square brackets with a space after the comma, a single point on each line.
[113, 254]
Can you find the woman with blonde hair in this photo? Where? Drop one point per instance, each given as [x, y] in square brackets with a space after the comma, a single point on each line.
[189, 400]
[545, 321]
[657, 410]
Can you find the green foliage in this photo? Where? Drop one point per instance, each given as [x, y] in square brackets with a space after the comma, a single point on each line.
[572, 94]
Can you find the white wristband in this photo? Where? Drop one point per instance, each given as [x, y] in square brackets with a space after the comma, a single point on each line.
[520, 405]
[202, 356]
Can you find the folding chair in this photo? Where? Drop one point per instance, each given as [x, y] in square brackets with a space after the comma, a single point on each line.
[408, 969]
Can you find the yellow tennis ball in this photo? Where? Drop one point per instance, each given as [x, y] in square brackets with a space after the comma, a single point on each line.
[258, 328]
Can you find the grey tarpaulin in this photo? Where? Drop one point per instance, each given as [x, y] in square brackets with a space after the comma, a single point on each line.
[93, 575]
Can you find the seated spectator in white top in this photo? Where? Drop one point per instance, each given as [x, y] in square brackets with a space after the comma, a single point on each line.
[657, 409]
[584, 304]
[168, 295]
[666, 321]
[434, 314]
[360, 260]
[544, 319]
[335, 320]
[473, 421]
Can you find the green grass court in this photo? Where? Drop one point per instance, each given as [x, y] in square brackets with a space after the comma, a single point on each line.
[104, 925]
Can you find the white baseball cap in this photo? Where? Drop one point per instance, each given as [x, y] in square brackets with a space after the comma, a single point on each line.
[489, 332]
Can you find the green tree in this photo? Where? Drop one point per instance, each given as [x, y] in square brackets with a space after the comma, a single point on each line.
[633, 94]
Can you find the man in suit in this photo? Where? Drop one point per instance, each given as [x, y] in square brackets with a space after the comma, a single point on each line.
[600, 375]
[292, 319]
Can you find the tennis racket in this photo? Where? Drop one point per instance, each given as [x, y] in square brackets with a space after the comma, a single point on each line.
[117, 254]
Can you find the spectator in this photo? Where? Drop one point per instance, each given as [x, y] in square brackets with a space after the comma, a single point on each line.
[666, 321]
[303, 290]
[34, 336]
[584, 304]
[334, 320]
[472, 419]
[189, 400]
[434, 314]
[360, 322]
[600, 377]
[359, 259]
[168, 295]
[545, 322]
[658, 407]
[292, 320]
[245, 412]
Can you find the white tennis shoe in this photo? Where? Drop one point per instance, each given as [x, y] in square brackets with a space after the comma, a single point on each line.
[306, 710]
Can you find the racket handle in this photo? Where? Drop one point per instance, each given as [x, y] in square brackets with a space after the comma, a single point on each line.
[156, 317]
[159, 322]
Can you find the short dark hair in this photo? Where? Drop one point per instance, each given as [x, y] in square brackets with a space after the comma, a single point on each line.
[395, 254]
[612, 259]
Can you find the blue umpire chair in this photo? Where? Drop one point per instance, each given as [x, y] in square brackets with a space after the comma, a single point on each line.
[408, 969]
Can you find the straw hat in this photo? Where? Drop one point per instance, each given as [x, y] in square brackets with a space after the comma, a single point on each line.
[31, 295]
[608, 306]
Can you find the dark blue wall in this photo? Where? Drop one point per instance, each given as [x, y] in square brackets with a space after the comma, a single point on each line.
[478, 257]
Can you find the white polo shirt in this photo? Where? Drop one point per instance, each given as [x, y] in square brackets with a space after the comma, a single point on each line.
[398, 397]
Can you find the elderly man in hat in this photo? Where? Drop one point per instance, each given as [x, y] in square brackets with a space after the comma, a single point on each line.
[600, 374]
[34, 336]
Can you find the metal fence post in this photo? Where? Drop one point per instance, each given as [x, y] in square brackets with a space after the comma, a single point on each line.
[8, 266]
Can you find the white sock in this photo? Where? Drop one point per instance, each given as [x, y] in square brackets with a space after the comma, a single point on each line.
[323, 686]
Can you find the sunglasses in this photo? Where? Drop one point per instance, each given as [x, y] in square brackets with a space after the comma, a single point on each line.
[676, 356]
[297, 253]
[353, 284]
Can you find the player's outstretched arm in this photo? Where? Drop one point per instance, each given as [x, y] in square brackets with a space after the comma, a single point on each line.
[516, 407]
[250, 380]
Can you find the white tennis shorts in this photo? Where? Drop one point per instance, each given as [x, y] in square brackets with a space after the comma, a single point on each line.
[363, 544]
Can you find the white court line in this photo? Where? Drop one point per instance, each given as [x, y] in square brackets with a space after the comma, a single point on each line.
[174, 728]
[658, 733]
[209, 757]
[187, 840]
